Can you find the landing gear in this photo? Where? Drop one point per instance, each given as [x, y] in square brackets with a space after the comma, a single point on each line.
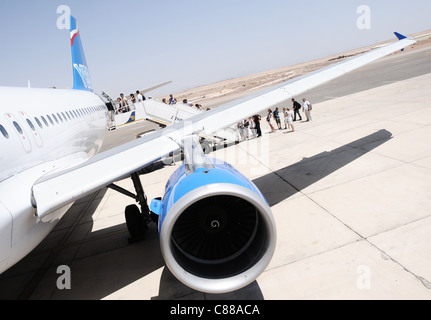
[137, 220]
[206, 146]
[136, 223]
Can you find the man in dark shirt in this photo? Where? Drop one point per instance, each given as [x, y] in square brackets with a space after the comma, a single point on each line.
[296, 108]
[277, 118]
[256, 120]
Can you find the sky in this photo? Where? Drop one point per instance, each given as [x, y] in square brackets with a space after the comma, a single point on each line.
[136, 44]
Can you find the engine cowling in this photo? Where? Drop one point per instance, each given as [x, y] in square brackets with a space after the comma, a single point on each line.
[217, 232]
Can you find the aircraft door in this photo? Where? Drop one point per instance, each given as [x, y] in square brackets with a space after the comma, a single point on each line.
[19, 130]
[34, 130]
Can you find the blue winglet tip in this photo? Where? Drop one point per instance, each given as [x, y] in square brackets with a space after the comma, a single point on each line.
[400, 36]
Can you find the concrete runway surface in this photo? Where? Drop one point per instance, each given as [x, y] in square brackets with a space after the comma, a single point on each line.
[350, 193]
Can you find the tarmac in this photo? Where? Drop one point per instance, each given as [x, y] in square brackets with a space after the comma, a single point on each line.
[350, 192]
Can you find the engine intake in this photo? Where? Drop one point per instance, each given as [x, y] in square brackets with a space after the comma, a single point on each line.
[213, 234]
[216, 237]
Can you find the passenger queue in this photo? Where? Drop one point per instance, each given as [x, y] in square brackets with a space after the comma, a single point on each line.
[249, 128]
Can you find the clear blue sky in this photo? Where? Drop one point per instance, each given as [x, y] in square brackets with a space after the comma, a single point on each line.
[136, 44]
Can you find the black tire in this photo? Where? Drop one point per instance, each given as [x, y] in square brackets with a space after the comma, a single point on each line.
[135, 222]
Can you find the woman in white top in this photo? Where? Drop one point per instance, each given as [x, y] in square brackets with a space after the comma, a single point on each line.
[286, 115]
[270, 120]
[288, 118]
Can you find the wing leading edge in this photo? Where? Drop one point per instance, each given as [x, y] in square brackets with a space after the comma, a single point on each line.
[233, 112]
[54, 192]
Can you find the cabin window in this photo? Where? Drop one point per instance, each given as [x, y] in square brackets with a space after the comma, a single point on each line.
[17, 127]
[55, 118]
[50, 120]
[38, 123]
[68, 115]
[4, 132]
[64, 116]
[30, 124]
[59, 117]
[44, 121]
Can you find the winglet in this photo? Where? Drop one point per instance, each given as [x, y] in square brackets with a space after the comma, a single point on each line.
[400, 36]
[81, 75]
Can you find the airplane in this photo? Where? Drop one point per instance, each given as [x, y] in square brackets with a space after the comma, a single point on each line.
[216, 230]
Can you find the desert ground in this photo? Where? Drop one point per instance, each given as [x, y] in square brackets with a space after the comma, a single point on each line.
[213, 95]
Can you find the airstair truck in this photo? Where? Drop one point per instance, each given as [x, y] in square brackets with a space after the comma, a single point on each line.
[166, 115]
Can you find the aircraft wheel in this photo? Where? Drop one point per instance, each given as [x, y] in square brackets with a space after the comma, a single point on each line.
[206, 147]
[135, 222]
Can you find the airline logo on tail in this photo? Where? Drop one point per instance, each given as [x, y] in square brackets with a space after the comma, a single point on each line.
[84, 74]
[73, 35]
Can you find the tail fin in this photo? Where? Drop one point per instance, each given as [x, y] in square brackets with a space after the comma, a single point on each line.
[81, 75]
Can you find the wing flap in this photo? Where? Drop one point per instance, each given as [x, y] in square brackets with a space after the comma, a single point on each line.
[54, 192]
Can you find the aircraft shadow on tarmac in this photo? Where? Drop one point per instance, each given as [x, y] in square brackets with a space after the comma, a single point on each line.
[308, 171]
[119, 264]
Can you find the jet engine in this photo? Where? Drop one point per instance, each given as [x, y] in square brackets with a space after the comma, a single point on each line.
[217, 232]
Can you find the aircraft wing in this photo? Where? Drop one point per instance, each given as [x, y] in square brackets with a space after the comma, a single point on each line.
[156, 87]
[54, 192]
[235, 111]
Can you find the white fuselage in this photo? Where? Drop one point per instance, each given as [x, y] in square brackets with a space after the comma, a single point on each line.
[42, 131]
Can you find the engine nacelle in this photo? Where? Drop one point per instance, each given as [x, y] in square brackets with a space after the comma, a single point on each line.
[217, 233]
